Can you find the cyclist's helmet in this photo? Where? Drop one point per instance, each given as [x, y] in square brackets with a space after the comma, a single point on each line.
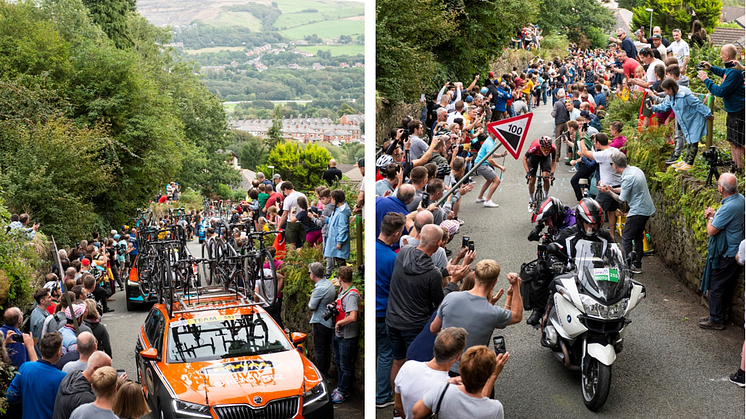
[384, 160]
[589, 216]
[52, 286]
[551, 209]
[545, 143]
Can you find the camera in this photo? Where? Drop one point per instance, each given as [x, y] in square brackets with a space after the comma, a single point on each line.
[17, 338]
[425, 200]
[700, 67]
[465, 241]
[711, 155]
[471, 245]
[331, 311]
[405, 134]
[499, 343]
[729, 64]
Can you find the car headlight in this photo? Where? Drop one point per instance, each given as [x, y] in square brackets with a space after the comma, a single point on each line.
[132, 283]
[602, 311]
[315, 394]
[191, 409]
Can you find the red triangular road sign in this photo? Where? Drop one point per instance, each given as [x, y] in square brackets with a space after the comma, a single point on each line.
[511, 132]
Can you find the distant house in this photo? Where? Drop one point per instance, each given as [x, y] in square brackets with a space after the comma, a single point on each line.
[352, 119]
[722, 36]
[231, 158]
[732, 14]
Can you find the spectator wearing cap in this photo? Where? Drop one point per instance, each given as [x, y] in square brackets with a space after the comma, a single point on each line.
[69, 337]
[43, 300]
[277, 179]
[657, 44]
[19, 352]
[625, 43]
[262, 179]
[332, 174]
[37, 381]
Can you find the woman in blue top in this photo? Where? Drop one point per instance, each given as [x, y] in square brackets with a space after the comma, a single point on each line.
[337, 246]
[691, 115]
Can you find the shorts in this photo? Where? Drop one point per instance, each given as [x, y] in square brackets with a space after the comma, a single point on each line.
[486, 172]
[607, 202]
[535, 161]
[520, 106]
[645, 110]
[735, 127]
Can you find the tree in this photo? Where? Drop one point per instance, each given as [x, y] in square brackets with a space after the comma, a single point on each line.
[575, 18]
[111, 16]
[674, 14]
[302, 165]
[274, 134]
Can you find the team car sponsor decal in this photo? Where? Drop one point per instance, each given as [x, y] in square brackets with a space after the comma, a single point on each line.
[252, 372]
[199, 320]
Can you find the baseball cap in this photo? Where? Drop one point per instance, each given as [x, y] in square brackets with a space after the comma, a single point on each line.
[117, 237]
[277, 176]
[78, 309]
[469, 99]
[656, 36]
[451, 226]
[85, 262]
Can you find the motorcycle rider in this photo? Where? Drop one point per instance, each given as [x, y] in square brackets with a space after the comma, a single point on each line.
[589, 217]
[553, 214]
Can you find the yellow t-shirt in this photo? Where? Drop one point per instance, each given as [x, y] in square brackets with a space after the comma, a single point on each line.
[528, 86]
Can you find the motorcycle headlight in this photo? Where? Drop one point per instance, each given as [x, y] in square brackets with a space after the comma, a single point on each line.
[191, 409]
[315, 394]
[602, 311]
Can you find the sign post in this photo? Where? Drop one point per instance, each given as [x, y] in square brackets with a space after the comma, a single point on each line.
[512, 132]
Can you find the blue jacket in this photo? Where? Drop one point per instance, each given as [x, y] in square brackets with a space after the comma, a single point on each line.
[502, 98]
[730, 89]
[600, 99]
[385, 259]
[338, 233]
[385, 205]
[16, 351]
[691, 114]
[36, 386]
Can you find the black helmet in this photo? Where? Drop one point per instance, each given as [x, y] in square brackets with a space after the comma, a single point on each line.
[588, 212]
[551, 209]
[545, 142]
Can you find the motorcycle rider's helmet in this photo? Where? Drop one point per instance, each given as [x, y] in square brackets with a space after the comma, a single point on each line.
[551, 209]
[589, 216]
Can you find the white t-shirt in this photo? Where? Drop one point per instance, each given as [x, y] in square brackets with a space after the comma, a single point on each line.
[608, 175]
[458, 405]
[650, 74]
[413, 380]
[680, 50]
[291, 201]
[269, 292]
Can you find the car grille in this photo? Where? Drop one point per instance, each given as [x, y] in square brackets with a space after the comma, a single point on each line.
[276, 409]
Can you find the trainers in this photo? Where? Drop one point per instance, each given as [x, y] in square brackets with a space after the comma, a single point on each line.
[480, 200]
[708, 325]
[397, 415]
[684, 167]
[636, 269]
[388, 402]
[672, 159]
[530, 207]
[573, 169]
[737, 378]
[460, 221]
[337, 396]
[678, 163]
[490, 204]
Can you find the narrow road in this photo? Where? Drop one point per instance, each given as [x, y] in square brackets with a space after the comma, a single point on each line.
[669, 367]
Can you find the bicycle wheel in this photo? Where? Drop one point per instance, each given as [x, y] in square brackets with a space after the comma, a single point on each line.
[208, 252]
[268, 278]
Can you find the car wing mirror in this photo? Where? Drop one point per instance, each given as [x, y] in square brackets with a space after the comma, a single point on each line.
[150, 353]
[298, 338]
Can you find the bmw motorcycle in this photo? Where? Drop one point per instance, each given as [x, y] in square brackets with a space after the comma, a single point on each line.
[585, 327]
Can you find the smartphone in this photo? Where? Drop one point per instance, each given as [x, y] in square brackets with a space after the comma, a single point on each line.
[465, 241]
[17, 338]
[471, 245]
[422, 98]
[425, 200]
[120, 372]
[499, 342]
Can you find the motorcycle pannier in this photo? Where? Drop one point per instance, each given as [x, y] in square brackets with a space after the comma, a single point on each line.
[529, 274]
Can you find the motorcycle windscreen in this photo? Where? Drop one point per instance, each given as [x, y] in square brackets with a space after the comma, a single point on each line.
[601, 270]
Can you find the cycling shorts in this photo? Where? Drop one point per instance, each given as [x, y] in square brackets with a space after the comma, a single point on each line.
[535, 161]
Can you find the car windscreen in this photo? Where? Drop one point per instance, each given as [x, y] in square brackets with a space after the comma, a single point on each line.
[224, 336]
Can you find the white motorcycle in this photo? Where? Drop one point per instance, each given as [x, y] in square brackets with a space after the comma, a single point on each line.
[585, 326]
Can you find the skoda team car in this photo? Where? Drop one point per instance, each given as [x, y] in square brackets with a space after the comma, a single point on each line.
[225, 358]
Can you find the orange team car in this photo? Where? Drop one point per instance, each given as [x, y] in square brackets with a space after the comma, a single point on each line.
[220, 355]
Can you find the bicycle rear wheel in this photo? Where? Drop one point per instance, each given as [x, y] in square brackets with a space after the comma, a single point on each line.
[268, 278]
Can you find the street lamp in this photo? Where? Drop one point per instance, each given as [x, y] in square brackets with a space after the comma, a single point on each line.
[650, 31]
[273, 170]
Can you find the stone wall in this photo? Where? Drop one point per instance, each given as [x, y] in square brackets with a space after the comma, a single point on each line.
[296, 315]
[675, 244]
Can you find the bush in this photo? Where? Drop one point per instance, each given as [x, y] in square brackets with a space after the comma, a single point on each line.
[191, 199]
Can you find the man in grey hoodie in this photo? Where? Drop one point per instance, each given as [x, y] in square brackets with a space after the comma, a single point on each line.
[416, 291]
[75, 389]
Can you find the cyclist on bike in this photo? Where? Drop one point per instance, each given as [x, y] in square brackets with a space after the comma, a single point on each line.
[541, 153]
[553, 214]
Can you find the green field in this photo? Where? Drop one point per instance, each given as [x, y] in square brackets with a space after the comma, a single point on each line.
[244, 19]
[212, 49]
[336, 50]
[328, 30]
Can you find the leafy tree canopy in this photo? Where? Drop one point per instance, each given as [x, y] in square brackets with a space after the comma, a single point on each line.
[675, 14]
